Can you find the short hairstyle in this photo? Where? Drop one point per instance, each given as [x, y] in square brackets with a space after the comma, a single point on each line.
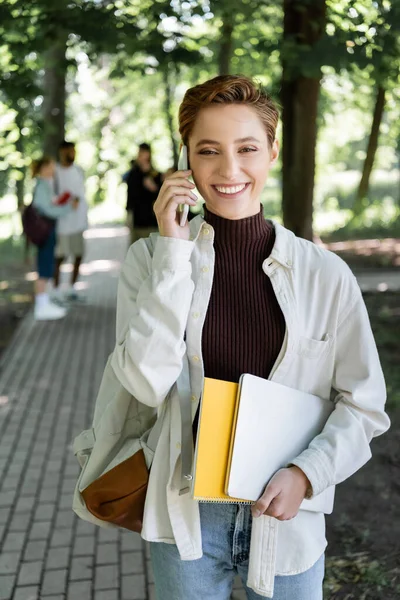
[228, 89]
[65, 144]
[145, 147]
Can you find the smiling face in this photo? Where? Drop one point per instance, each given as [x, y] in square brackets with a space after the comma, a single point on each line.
[230, 159]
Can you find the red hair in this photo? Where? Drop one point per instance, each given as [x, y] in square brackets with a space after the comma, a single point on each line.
[228, 89]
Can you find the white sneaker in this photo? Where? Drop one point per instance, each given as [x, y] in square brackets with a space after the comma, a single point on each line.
[58, 296]
[49, 312]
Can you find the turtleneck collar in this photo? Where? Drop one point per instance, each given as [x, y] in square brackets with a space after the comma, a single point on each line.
[234, 230]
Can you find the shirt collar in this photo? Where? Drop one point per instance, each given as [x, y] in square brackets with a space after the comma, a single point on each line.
[282, 252]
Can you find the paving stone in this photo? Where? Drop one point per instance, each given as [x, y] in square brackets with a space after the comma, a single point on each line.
[84, 546]
[61, 538]
[58, 558]
[106, 577]
[35, 550]
[54, 582]
[25, 504]
[10, 483]
[149, 571]
[26, 593]
[131, 541]
[106, 595]
[108, 535]
[239, 595]
[20, 522]
[45, 512]
[48, 495]
[132, 562]
[5, 514]
[79, 590]
[30, 573]
[7, 498]
[133, 587]
[66, 501]
[85, 528]
[107, 554]
[151, 592]
[40, 530]
[6, 586]
[65, 518]
[9, 562]
[81, 568]
[14, 541]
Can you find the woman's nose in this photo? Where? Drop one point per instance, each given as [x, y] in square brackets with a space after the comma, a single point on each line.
[229, 167]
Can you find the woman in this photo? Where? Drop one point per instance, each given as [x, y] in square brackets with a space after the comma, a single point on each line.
[237, 293]
[54, 207]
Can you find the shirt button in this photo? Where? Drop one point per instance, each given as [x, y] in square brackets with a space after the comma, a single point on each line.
[196, 315]
[193, 398]
[195, 358]
[289, 263]
[206, 231]
[205, 269]
[178, 446]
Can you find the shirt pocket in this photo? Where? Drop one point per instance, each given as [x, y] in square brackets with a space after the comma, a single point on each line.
[312, 348]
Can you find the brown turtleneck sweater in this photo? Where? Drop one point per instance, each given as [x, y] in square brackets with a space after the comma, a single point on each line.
[244, 326]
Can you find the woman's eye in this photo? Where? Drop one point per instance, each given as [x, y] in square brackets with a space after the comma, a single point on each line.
[207, 152]
[248, 149]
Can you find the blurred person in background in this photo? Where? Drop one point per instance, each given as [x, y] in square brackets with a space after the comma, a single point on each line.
[144, 183]
[53, 207]
[70, 242]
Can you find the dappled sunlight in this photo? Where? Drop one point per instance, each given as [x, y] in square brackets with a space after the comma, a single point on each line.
[81, 285]
[106, 232]
[101, 266]
[388, 248]
[31, 276]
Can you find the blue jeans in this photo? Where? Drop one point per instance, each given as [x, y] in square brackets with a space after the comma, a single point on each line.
[226, 532]
[45, 257]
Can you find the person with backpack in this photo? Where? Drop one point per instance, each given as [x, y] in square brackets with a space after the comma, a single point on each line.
[51, 208]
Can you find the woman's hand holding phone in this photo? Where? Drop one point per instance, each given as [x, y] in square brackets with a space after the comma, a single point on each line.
[176, 190]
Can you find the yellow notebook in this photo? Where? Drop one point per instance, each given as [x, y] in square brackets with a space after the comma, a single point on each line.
[217, 421]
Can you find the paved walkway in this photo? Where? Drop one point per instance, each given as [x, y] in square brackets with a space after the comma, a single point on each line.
[49, 377]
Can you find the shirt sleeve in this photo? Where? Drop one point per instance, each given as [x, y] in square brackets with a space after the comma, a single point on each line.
[343, 446]
[42, 200]
[154, 298]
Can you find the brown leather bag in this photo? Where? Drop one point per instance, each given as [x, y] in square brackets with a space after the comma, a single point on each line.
[119, 495]
[114, 453]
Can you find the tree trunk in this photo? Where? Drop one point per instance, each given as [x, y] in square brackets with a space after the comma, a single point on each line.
[168, 94]
[54, 95]
[20, 182]
[299, 95]
[362, 191]
[226, 46]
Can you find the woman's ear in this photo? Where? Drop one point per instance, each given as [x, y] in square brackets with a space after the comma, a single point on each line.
[274, 153]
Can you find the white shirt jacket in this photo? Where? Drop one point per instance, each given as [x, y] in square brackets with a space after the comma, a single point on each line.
[72, 179]
[329, 350]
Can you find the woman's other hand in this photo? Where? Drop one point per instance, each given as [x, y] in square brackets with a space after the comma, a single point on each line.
[283, 495]
[176, 190]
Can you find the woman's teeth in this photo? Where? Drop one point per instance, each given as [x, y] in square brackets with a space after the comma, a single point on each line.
[230, 190]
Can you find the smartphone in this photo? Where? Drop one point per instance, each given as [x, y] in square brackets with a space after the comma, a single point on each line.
[183, 165]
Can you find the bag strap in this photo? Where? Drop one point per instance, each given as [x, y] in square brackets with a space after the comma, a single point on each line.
[184, 392]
